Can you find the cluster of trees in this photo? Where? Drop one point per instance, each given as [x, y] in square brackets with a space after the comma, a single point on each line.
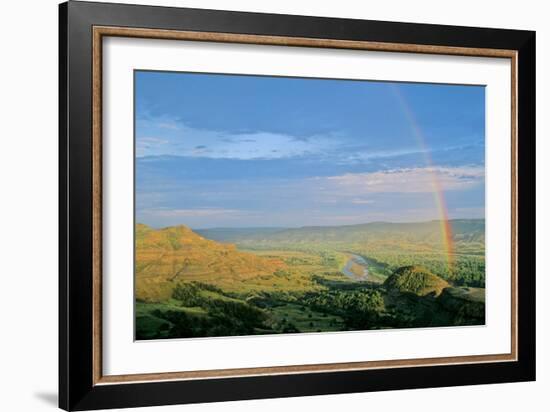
[225, 316]
[189, 293]
[359, 308]
[329, 259]
[416, 280]
[233, 320]
[285, 326]
[467, 270]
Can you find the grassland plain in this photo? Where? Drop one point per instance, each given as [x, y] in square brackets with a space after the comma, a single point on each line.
[227, 282]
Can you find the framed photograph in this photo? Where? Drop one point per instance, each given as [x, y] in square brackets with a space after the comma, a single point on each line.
[256, 205]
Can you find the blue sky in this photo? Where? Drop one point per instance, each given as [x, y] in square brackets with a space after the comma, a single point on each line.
[243, 151]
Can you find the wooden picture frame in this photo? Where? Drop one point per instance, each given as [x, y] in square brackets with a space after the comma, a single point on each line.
[82, 384]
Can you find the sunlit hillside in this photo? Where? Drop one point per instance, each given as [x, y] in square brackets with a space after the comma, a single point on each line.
[467, 235]
[171, 255]
[415, 279]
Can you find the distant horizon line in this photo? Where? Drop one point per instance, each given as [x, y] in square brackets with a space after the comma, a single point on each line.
[308, 226]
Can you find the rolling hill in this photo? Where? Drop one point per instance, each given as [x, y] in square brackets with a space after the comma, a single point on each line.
[465, 232]
[387, 246]
[166, 257]
[415, 279]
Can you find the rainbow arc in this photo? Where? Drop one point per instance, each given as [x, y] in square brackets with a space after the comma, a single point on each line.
[437, 189]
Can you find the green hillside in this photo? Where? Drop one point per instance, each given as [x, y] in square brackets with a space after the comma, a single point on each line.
[415, 279]
[387, 246]
[463, 230]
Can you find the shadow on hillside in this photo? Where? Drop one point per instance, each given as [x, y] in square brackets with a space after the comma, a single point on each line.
[344, 284]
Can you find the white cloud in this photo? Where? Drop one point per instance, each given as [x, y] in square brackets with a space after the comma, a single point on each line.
[171, 125]
[408, 180]
[362, 201]
[167, 137]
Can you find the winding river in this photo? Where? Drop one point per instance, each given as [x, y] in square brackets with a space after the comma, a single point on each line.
[359, 261]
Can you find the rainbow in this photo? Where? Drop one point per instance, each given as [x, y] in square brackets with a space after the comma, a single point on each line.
[437, 190]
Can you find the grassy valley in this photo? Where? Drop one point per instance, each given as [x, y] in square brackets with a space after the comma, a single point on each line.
[224, 282]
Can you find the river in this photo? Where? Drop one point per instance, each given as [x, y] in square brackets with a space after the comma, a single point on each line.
[357, 260]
